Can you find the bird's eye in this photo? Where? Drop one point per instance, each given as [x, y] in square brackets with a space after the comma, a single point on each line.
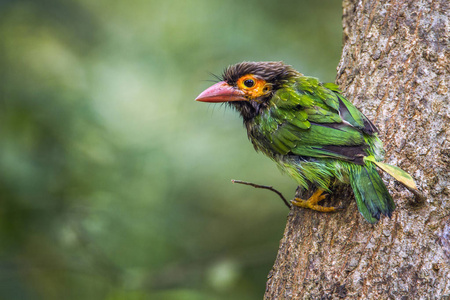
[252, 86]
[249, 83]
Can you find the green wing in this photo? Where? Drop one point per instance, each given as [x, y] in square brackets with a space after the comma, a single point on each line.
[350, 113]
[313, 119]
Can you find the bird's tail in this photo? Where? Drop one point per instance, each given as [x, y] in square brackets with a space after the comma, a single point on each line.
[372, 196]
[399, 175]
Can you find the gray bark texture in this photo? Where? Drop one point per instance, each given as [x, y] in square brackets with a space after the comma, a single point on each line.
[395, 68]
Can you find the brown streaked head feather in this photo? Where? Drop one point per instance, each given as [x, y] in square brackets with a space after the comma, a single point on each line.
[274, 72]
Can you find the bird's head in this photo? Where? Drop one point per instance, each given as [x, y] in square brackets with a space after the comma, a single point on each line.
[249, 86]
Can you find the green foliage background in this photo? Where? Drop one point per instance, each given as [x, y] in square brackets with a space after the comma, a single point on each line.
[114, 183]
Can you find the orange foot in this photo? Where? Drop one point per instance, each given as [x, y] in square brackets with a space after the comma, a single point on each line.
[312, 202]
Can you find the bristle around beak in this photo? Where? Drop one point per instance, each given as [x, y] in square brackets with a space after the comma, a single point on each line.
[221, 92]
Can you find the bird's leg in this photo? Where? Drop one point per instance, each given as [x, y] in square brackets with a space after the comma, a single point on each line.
[312, 202]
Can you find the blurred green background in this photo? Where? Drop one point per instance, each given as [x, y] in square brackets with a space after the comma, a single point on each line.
[114, 183]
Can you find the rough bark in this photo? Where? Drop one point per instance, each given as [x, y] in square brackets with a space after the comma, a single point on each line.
[395, 67]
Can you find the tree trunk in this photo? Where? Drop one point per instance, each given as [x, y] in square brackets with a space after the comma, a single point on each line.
[395, 67]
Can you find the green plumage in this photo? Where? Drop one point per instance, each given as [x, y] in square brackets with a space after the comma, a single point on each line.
[314, 134]
[298, 122]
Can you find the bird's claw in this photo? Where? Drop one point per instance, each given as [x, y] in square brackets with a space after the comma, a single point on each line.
[311, 203]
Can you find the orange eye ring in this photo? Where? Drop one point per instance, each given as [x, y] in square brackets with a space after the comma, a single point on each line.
[252, 86]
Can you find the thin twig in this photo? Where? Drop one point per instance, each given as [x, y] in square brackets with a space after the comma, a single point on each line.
[258, 186]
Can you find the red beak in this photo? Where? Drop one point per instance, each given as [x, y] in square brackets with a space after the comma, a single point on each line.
[221, 92]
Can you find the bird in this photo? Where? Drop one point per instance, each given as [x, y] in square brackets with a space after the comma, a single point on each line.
[311, 131]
